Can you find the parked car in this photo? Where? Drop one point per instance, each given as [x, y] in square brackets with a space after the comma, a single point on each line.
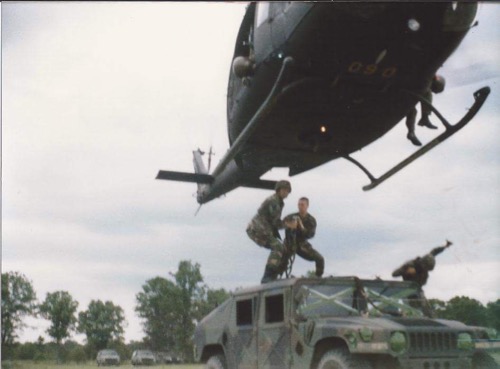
[163, 357]
[108, 357]
[143, 357]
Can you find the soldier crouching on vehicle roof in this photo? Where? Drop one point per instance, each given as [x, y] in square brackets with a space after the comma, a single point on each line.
[417, 270]
[296, 239]
[264, 227]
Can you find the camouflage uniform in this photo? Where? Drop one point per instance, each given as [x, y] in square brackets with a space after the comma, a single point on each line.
[422, 265]
[296, 241]
[263, 230]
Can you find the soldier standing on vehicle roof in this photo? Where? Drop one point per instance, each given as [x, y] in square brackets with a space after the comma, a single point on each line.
[264, 227]
[296, 240]
[417, 270]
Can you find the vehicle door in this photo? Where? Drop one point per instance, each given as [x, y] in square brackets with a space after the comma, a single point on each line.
[243, 345]
[273, 344]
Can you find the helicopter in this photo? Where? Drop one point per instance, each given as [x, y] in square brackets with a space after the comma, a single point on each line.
[312, 82]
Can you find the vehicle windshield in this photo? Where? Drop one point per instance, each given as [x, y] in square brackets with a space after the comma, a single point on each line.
[357, 299]
[108, 352]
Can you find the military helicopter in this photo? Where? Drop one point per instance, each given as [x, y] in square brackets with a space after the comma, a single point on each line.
[312, 82]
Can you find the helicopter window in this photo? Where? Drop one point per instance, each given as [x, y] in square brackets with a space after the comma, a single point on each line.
[262, 13]
[277, 8]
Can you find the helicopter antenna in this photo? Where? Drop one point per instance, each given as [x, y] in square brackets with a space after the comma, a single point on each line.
[210, 154]
[198, 210]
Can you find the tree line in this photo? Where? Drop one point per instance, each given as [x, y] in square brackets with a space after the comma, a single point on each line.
[169, 308]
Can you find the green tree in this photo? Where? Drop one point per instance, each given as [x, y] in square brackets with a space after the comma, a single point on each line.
[171, 308]
[493, 314]
[466, 310]
[157, 305]
[102, 322]
[18, 301]
[188, 279]
[60, 308]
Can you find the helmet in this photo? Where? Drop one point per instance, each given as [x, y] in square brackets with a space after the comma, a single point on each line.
[283, 184]
[429, 262]
[438, 83]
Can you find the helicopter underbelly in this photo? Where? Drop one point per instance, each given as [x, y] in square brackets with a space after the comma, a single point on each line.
[315, 119]
[347, 86]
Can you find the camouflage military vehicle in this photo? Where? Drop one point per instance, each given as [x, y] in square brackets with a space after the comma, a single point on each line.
[334, 323]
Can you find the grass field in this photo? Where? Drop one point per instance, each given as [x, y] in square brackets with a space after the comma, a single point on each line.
[28, 364]
[92, 365]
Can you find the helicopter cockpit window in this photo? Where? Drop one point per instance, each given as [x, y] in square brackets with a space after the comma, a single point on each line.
[262, 13]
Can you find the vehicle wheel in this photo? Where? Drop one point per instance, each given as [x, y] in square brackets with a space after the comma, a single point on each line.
[340, 359]
[481, 360]
[216, 362]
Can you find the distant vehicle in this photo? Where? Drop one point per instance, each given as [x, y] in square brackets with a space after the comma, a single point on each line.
[176, 359]
[143, 357]
[163, 357]
[108, 357]
[166, 358]
[336, 322]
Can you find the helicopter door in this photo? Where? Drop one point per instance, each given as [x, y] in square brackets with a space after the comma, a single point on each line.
[263, 44]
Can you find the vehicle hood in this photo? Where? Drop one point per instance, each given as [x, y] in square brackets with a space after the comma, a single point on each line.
[392, 323]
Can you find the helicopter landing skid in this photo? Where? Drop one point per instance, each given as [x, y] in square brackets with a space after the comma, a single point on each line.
[479, 96]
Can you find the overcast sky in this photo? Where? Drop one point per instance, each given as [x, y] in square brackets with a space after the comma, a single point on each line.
[97, 97]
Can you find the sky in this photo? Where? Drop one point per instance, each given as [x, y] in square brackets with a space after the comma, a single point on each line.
[97, 97]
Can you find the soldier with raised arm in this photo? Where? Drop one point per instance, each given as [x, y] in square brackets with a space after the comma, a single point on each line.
[417, 270]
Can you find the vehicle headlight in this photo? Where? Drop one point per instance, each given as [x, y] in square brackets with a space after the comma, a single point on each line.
[398, 342]
[464, 341]
[492, 333]
[351, 338]
[366, 334]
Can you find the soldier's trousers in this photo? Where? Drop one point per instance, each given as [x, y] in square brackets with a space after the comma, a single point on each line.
[305, 250]
[268, 241]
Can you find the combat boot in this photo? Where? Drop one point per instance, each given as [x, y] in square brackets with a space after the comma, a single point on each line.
[270, 275]
[425, 122]
[413, 138]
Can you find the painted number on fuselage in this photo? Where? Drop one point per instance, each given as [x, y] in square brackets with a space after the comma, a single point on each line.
[371, 70]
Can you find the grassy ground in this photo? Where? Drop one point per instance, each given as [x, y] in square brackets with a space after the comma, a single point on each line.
[27, 364]
[126, 365]
[496, 355]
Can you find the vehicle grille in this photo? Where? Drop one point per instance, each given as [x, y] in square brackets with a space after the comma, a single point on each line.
[432, 341]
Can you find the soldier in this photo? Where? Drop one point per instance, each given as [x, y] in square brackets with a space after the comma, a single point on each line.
[264, 228]
[437, 86]
[297, 239]
[417, 270]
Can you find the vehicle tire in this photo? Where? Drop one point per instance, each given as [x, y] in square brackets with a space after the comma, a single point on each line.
[216, 362]
[482, 360]
[341, 359]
